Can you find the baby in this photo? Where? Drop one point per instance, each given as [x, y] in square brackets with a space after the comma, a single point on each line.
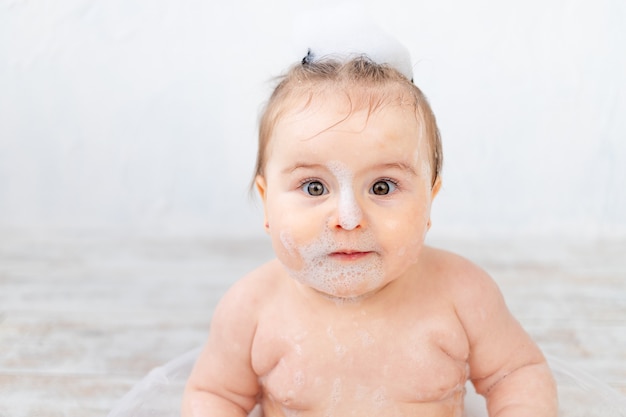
[356, 316]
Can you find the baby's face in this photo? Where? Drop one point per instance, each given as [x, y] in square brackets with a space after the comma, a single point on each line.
[347, 200]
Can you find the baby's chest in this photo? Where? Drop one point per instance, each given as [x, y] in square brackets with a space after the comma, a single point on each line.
[419, 364]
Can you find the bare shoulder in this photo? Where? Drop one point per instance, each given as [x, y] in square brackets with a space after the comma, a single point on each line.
[478, 301]
[233, 327]
[451, 266]
[248, 295]
[466, 283]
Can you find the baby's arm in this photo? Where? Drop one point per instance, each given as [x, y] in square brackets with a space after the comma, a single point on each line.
[506, 366]
[222, 382]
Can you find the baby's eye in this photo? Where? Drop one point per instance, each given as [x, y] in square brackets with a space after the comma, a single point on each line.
[314, 188]
[383, 187]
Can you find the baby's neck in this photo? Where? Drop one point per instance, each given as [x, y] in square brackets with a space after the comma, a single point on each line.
[378, 297]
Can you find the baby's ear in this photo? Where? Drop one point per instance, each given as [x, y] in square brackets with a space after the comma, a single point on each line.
[435, 189]
[261, 186]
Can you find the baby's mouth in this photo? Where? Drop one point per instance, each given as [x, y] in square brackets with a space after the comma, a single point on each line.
[349, 255]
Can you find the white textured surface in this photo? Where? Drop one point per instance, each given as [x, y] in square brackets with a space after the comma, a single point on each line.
[83, 319]
[140, 116]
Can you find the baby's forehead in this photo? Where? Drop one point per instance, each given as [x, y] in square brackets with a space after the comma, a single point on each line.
[332, 114]
[345, 102]
[356, 96]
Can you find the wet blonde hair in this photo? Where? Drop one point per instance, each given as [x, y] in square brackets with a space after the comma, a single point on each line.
[365, 84]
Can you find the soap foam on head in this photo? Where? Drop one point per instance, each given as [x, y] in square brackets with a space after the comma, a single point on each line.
[344, 31]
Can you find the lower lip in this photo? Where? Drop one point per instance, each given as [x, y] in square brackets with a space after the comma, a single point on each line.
[354, 256]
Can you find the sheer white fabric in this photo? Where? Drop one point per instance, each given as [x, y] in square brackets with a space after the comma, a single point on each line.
[159, 393]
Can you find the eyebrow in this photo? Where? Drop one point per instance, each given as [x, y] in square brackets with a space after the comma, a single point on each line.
[401, 165]
[303, 165]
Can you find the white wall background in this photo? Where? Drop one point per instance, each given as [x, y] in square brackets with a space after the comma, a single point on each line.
[127, 116]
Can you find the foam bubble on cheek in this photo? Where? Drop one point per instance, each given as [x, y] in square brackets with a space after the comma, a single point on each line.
[349, 211]
[288, 243]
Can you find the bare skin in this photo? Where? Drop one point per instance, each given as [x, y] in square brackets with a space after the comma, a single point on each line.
[356, 316]
[408, 352]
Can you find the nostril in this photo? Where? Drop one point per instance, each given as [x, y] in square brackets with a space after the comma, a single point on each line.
[347, 226]
[349, 213]
[351, 221]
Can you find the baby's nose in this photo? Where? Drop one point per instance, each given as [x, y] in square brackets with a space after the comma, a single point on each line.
[349, 214]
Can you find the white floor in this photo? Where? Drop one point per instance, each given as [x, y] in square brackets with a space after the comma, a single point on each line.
[83, 319]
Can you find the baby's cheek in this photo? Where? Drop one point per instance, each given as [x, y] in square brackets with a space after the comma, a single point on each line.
[286, 244]
[392, 225]
[290, 247]
[403, 228]
[406, 240]
[286, 249]
[409, 253]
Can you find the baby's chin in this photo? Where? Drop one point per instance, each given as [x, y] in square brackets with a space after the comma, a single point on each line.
[350, 298]
[342, 294]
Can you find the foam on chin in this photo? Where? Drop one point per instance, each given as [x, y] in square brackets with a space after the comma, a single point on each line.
[336, 278]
